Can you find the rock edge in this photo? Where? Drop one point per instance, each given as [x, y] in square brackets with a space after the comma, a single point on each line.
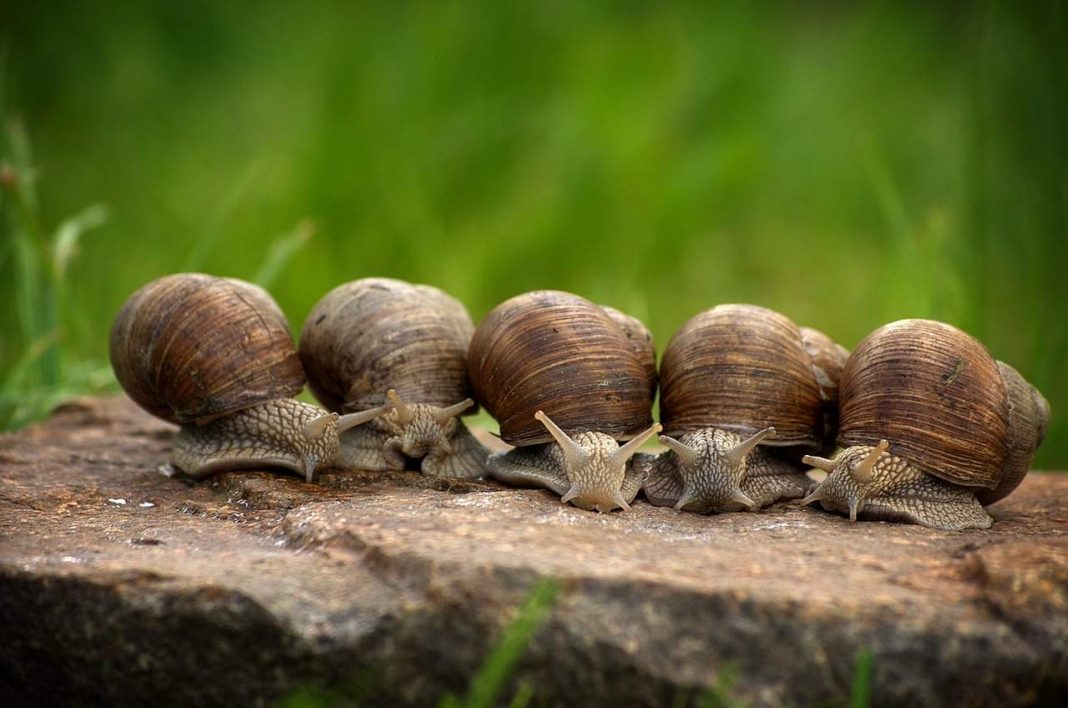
[121, 585]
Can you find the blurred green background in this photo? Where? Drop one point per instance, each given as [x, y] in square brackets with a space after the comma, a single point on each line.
[847, 164]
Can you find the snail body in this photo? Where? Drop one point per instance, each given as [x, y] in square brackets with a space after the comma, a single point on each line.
[732, 378]
[933, 429]
[379, 340]
[567, 380]
[215, 356]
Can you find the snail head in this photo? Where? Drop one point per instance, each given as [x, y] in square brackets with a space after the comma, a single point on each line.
[595, 464]
[853, 477]
[420, 429]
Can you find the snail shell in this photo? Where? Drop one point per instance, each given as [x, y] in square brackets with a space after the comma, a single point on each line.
[744, 368]
[953, 424]
[566, 379]
[560, 353]
[1028, 413]
[733, 377]
[828, 359]
[935, 393]
[215, 356]
[189, 347]
[378, 337]
[641, 342]
[371, 335]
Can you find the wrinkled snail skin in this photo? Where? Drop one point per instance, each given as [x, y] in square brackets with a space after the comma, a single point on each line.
[590, 470]
[380, 340]
[567, 380]
[871, 482]
[732, 378]
[280, 433]
[932, 429]
[410, 432]
[713, 470]
[215, 356]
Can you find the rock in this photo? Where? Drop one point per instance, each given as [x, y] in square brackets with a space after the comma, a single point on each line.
[123, 586]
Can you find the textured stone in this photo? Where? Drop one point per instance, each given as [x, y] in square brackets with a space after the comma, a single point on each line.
[121, 585]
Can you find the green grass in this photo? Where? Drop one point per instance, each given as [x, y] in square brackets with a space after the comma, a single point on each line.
[486, 686]
[847, 165]
[860, 691]
[721, 695]
[44, 374]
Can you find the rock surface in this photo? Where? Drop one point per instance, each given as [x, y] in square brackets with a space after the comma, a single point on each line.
[120, 585]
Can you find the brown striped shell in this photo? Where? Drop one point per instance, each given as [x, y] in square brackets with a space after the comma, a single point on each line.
[586, 368]
[944, 404]
[1028, 421]
[368, 336]
[828, 359]
[744, 368]
[189, 348]
[641, 341]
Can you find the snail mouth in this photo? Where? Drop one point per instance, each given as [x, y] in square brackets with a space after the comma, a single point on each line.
[413, 459]
[601, 500]
[414, 451]
[408, 453]
[418, 449]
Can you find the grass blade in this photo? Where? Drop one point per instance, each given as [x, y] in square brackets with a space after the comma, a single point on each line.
[282, 251]
[69, 233]
[719, 695]
[32, 309]
[16, 377]
[490, 680]
[860, 693]
[212, 231]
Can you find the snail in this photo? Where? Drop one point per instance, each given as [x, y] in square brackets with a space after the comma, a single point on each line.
[567, 380]
[934, 429]
[732, 378]
[215, 356]
[379, 338]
